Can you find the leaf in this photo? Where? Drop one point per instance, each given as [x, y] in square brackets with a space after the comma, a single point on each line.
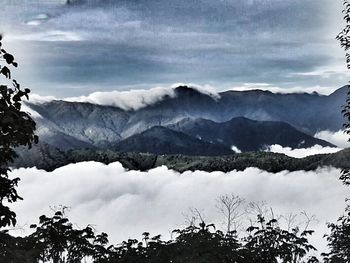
[9, 58]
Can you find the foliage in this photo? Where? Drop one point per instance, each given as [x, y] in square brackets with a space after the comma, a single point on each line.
[339, 240]
[344, 39]
[56, 240]
[16, 129]
[270, 243]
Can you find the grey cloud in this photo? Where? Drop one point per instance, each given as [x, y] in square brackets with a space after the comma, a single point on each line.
[109, 45]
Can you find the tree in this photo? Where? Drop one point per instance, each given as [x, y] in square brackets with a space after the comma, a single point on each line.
[16, 129]
[56, 239]
[269, 243]
[229, 206]
[344, 39]
[339, 238]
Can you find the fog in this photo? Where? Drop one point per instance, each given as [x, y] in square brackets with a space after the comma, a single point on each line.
[126, 203]
[338, 138]
[302, 152]
[136, 99]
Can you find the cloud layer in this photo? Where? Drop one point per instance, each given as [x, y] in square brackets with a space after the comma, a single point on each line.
[139, 98]
[302, 152]
[338, 138]
[127, 203]
[127, 100]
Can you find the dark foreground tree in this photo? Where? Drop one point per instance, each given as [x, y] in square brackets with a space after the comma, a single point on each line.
[16, 129]
[344, 39]
[339, 238]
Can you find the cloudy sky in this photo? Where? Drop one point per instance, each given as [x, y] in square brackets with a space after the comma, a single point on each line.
[103, 45]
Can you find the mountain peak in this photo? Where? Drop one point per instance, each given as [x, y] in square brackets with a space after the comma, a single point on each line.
[186, 90]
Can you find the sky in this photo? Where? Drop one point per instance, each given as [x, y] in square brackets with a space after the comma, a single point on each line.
[104, 45]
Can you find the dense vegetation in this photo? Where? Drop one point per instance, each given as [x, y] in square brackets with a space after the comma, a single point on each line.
[56, 240]
[46, 157]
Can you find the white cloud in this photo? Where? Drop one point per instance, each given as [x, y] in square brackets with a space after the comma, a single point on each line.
[140, 97]
[338, 138]
[127, 203]
[47, 36]
[38, 20]
[135, 99]
[302, 152]
[34, 114]
[33, 23]
[38, 99]
[235, 149]
[127, 100]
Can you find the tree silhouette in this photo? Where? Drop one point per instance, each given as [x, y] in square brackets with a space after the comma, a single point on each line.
[16, 129]
[344, 39]
[229, 206]
[339, 238]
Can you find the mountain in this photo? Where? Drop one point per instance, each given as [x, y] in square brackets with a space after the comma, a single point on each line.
[76, 125]
[49, 158]
[246, 134]
[160, 140]
[87, 125]
[309, 113]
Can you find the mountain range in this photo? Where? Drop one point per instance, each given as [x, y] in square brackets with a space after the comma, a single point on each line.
[193, 122]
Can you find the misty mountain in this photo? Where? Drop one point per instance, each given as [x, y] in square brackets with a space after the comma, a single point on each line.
[86, 125]
[246, 134]
[309, 113]
[74, 125]
[49, 158]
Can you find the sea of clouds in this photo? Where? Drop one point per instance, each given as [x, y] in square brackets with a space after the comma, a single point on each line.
[126, 203]
[339, 139]
[302, 152]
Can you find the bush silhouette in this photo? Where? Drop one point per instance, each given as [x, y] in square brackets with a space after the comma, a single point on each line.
[16, 129]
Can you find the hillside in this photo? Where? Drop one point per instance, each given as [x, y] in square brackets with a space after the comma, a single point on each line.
[49, 158]
[77, 125]
[247, 135]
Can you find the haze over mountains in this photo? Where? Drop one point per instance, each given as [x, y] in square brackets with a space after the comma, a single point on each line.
[185, 122]
[225, 119]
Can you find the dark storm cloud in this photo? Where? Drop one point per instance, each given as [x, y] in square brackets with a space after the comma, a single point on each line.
[103, 45]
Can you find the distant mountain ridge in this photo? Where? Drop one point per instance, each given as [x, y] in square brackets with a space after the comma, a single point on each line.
[76, 125]
[161, 140]
[247, 135]
[49, 158]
